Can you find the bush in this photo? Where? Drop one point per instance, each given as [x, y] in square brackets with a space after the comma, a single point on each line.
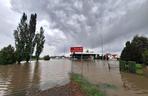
[139, 66]
[145, 57]
[139, 69]
[46, 57]
[132, 66]
[122, 65]
[7, 55]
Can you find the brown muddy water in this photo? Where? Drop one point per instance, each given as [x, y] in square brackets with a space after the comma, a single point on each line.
[19, 79]
[108, 78]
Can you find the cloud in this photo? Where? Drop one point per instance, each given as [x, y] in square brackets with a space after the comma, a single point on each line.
[87, 22]
[8, 21]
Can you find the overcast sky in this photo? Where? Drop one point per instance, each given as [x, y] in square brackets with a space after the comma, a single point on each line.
[85, 23]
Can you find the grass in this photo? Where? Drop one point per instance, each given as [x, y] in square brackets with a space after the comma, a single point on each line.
[139, 66]
[139, 69]
[88, 88]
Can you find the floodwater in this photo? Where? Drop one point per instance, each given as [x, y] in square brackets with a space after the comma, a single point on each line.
[19, 79]
[108, 78]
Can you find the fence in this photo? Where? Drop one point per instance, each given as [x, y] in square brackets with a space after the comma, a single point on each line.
[131, 66]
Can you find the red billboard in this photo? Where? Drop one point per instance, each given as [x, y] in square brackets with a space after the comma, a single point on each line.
[76, 49]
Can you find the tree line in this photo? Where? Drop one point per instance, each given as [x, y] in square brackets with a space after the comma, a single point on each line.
[136, 50]
[27, 42]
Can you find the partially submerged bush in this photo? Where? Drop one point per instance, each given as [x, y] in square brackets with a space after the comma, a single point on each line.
[46, 57]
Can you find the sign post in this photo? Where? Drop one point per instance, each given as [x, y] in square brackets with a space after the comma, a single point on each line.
[74, 50]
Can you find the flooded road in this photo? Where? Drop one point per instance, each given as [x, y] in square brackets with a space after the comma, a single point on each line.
[108, 78]
[18, 79]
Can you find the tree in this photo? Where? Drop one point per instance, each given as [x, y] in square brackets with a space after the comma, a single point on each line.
[25, 38]
[139, 45]
[134, 51]
[40, 40]
[30, 36]
[145, 57]
[126, 53]
[7, 55]
[20, 38]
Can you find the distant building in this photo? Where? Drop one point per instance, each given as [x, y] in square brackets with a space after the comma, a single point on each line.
[111, 56]
[92, 56]
[85, 56]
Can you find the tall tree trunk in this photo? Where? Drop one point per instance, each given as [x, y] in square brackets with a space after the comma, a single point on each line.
[37, 59]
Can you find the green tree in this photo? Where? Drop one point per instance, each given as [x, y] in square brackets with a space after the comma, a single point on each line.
[134, 51]
[145, 57]
[7, 55]
[126, 53]
[139, 45]
[20, 38]
[40, 40]
[30, 36]
[24, 38]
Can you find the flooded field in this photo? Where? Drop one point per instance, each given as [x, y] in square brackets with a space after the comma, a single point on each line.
[106, 75]
[18, 79]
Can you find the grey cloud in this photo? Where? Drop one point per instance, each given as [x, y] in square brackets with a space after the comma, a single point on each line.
[8, 21]
[81, 21]
[134, 22]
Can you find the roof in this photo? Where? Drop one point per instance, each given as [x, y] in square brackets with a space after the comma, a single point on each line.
[87, 53]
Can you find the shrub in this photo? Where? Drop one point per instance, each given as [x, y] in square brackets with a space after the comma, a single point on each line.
[139, 66]
[145, 57]
[122, 65]
[7, 55]
[46, 57]
[132, 66]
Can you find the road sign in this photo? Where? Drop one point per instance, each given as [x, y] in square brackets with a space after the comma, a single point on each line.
[76, 49]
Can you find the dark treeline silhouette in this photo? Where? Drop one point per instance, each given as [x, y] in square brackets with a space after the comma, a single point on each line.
[26, 40]
[136, 50]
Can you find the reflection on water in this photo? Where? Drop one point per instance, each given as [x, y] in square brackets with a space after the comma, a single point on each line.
[108, 78]
[20, 78]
